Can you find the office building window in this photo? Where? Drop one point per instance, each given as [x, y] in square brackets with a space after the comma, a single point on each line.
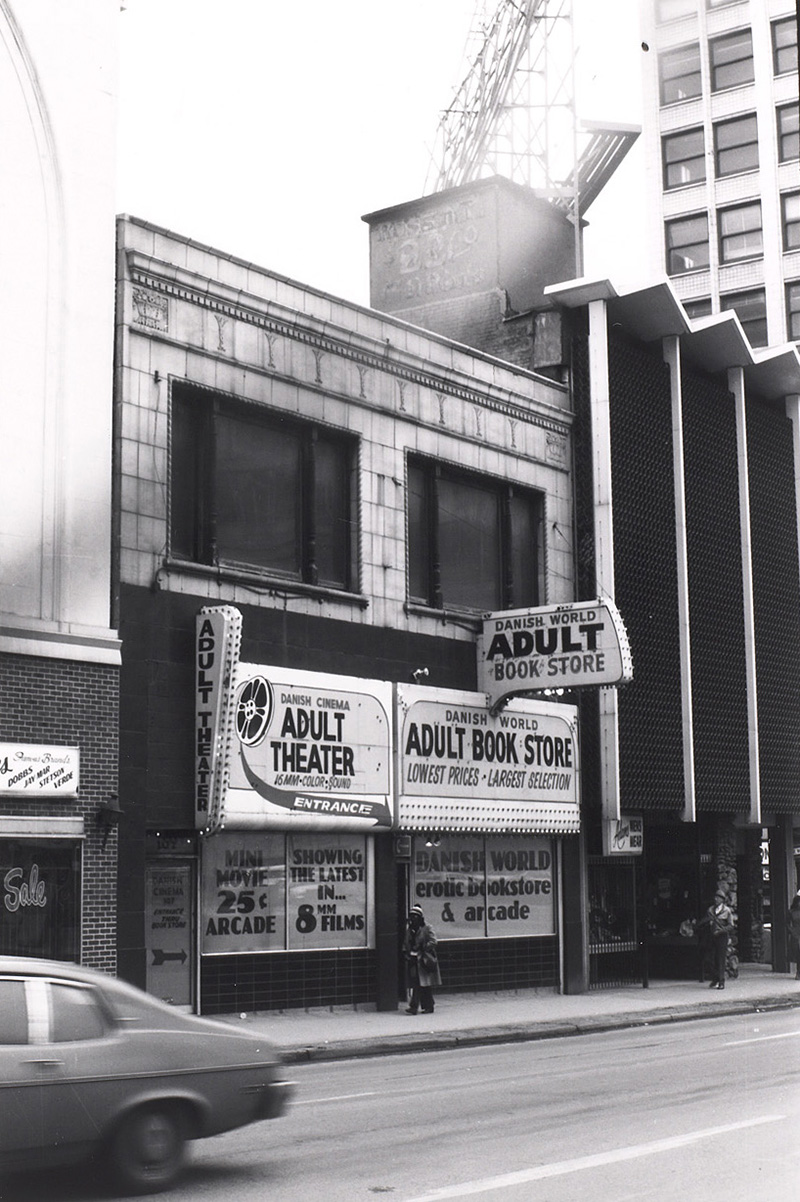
[731, 60]
[790, 206]
[784, 45]
[670, 10]
[793, 310]
[751, 309]
[684, 158]
[680, 74]
[473, 543]
[687, 244]
[740, 233]
[788, 132]
[258, 491]
[721, 3]
[698, 308]
[736, 145]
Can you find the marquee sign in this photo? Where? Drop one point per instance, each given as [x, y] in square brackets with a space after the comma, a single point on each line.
[577, 645]
[461, 768]
[284, 748]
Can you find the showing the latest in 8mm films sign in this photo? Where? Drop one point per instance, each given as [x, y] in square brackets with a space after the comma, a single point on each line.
[579, 645]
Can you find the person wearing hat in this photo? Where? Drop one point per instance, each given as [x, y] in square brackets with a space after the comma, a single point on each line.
[422, 962]
[718, 921]
[794, 934]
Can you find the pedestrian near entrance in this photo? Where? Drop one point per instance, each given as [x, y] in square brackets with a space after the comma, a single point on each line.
[794, 934]
[422, 962]
[718, 923]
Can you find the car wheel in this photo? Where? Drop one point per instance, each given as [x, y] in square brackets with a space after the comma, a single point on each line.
[148, 1150]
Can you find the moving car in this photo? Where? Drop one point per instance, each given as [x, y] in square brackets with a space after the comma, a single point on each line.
[92, 1066]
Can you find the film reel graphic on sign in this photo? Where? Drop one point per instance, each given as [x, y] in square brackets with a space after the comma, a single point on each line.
[254, 707]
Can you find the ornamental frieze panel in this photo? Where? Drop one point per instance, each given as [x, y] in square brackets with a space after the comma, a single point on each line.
[325, 353]
[150, 309]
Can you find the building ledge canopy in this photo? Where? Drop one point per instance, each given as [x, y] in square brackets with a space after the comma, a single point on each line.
[713, 343]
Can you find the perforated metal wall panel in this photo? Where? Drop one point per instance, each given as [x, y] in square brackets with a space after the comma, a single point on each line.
[645, 574]
[719, 684]
[773, 521]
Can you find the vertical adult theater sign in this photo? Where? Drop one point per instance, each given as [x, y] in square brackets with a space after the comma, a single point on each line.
[578, 645]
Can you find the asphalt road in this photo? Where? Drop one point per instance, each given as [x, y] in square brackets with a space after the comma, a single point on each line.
[690, 1112]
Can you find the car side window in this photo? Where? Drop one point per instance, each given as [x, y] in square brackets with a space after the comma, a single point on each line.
[75, 1014]
[13, 1012]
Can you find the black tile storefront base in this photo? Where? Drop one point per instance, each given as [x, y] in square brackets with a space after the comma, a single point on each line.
[486, 964]
[302, 980]
[286, 981]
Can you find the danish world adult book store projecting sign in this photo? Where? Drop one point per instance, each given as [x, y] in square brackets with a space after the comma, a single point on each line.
[573, 646]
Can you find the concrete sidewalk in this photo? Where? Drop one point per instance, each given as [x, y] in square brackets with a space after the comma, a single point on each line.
[462, 1020]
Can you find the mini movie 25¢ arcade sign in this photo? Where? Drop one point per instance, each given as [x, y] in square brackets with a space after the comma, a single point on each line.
[574, 646]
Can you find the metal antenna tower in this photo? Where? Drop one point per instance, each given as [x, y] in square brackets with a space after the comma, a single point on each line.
[515, 106]
[514, 113]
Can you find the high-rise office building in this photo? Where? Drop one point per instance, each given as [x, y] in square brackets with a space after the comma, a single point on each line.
[722, 147]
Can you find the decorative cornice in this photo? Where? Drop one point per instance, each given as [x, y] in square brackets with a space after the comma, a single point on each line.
[319, 343]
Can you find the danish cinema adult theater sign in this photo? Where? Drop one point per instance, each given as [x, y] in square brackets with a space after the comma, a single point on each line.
[572, 646]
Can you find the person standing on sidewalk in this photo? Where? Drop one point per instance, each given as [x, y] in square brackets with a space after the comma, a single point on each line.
[794, 934]
[422, 962]
[718, 921]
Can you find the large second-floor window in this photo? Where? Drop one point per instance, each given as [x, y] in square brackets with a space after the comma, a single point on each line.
[736, 145]
[684, 158]
[473, 542]
[740, 233]
[784, 45]
[679, 73]
[687, 244]
[731, 60]
[261, 492]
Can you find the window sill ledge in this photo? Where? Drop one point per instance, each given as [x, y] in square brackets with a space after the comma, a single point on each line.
[448, 617]
[273, 586]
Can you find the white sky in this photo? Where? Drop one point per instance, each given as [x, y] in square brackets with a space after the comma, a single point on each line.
[266, 128]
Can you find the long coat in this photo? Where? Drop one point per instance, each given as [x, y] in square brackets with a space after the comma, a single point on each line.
[793, 918]
[423, 942]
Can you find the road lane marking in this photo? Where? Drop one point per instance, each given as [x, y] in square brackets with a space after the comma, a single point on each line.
[342, 1097]
[735, 1043]
[598, 1160]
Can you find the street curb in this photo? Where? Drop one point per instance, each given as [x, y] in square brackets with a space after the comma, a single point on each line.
[442, 1041]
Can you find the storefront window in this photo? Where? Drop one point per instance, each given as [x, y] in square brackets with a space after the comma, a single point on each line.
[266, 892]
[41, 898]
[475, 886]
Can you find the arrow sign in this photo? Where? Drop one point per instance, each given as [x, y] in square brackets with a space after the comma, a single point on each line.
[161, 957]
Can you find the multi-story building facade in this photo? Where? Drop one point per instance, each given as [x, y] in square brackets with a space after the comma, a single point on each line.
[59, 654]
[721, 140]
[317, 504]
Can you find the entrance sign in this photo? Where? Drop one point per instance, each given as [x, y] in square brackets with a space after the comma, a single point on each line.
[579, 645]
[168, 923]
